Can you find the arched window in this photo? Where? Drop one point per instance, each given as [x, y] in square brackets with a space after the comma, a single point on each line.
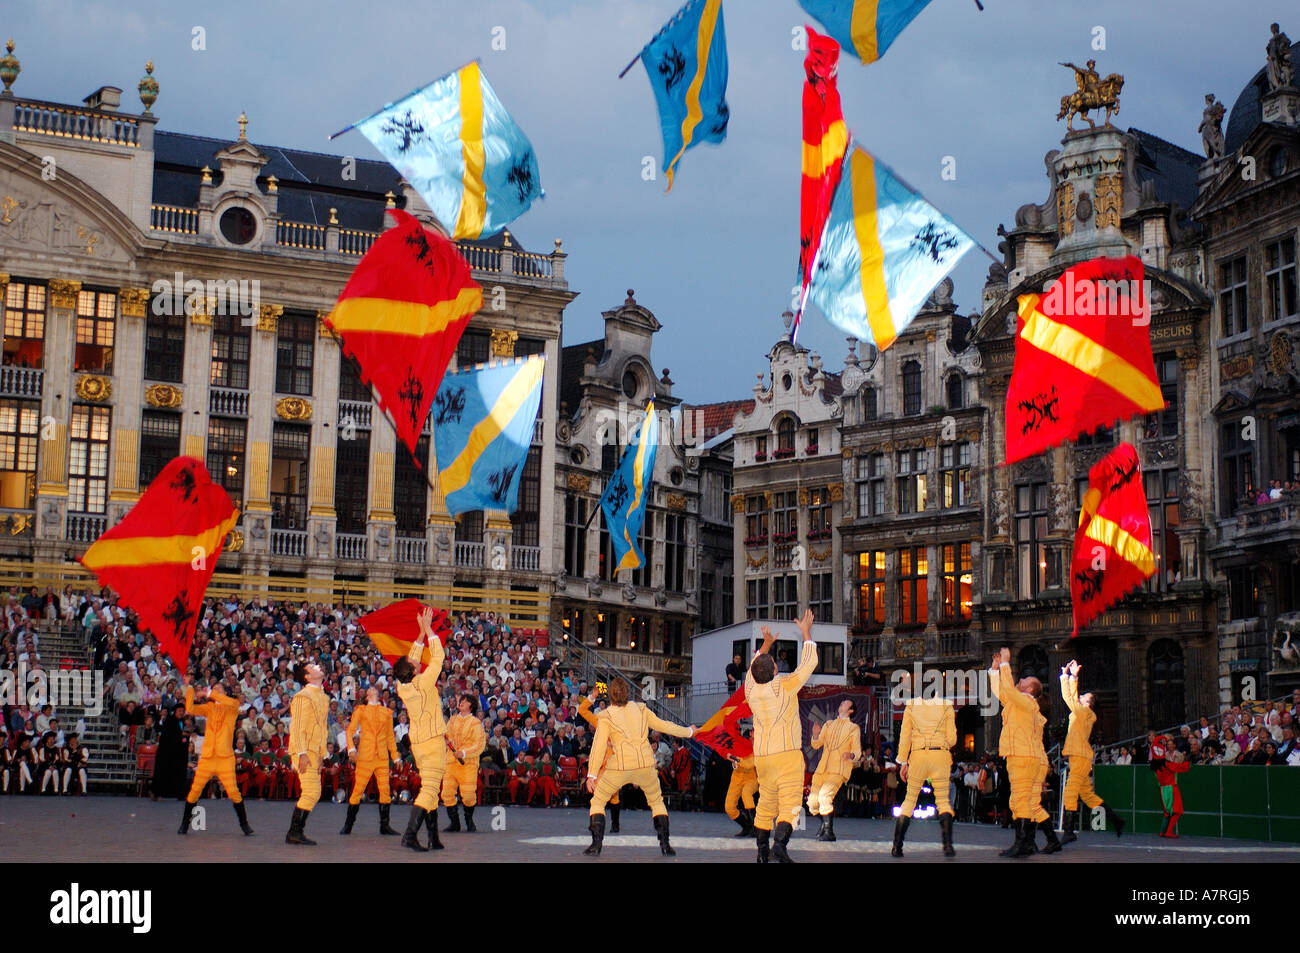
[1165, 677]
[868, 403]
[785, 437]
[1032, 662]
[956, 392]
[911, 389]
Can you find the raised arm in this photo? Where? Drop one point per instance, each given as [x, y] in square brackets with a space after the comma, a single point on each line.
[667, 727]
[584, 709]
[599, 749]
[807, 657]
[1008, 694]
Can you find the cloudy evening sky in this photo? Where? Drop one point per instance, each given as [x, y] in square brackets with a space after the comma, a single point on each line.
[715, 260]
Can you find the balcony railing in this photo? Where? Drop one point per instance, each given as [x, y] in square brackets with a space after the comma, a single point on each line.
[85, 527]
[227, 402]
[49, 119]
[412, 550]
[21, 381]
[300, 235]
[17, 522]
[358, 410]
[532, 265]
[349, 545]
[174, 219]
[481, 258]
[289, 542]
[1262, 524]
[526, 558]
[954, 644]
[353, 241]
[469, 554]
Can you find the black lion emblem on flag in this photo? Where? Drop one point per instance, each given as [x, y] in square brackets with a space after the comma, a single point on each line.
[499, 481]
[719, 125]
[185, 485]
[672, 67]
[412, 396]
[1040, 410]
[449, 405]
[618, 493]
[179, 615]
[934, 240]
[1090, 583]
[409, 129]
[521, 176]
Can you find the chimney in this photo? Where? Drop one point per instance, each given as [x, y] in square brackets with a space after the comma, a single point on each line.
[106, 98]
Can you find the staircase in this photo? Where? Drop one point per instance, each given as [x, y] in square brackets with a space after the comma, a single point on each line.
[110, 770]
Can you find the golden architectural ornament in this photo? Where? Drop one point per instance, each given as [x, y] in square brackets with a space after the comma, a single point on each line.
[201, 316]
[90, 238]
[293, 408]
[4, 285]
[94, 387]
[134, 302]
[846, 452]
[909, 648]
[931, 336]
[268, 317]
[820, 555]
[579, 482]
[272, 184]
[243, 126]
[334, 216]
[16, 523]
[9, 67]
[676, 501]
[1109, 199]
[390, 200]
[1281, 354]
[1092, 93]
[63, 293]
[1189, 359]
[207, 175]
[1065, 208]
[503, 342]
[234, 542]
[767, 496]
[8, 204]
[803, 496]
[737, 503]
[148, 88]
[887, 447]
[1236, 367]
[931, 442]
[837, 492]
[323, 329]
[163, 395]
[753, 563]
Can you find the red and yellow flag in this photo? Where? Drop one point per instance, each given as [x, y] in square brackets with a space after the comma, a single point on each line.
[160, 558]
[825, 139]
[1112, 546]
[1083, 357]
[722, 731]
[394, 629]
[401, 316]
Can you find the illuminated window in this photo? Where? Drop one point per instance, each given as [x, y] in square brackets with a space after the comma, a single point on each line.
[957, 581]
[24, 337]
[96, 327]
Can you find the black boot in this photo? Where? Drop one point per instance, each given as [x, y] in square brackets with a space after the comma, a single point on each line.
[431, 822]
[1014, 849]
[945, 833]
[597, 828]
[748, 815]
[780, 838]
[745, 829]
[1068, 824]
[829, 820]
[1053, 845]
[384, 826]
[821, 831]
[661, 828]
[614, 810]
[764, 842]
[185, 819]
[900, 831]
[1114, 820]
[453, 812]
[350, 819]
[242, 814]
[469, 821]
[411, 838]
[297, 825]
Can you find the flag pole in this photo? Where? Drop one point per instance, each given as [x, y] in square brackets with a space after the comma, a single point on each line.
[671, 20]
[629, 66]
[396, 102]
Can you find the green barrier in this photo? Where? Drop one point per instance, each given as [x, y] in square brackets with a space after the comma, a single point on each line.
[1247, 802]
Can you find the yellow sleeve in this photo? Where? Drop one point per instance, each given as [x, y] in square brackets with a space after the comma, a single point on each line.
[905, 738]
[1011, 696]
[807, 662]
[949, 727]
[478, 744]
[817, 741]
[1070, 692]
[297, 725]
[665, 727]
[430, 675]
[189, 697]
[228, 702]
[390, 739]
[584, 709]
[353, 724]
[198, 711]
[855, 744]
[599, 748]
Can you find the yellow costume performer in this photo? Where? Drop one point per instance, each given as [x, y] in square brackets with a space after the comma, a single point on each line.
[614, 806]
[1078, 748]
[925, 752]
[218, 757]
[466, 740]
[419, 693]
[840, 742]
[740, 792]
[778, 741]
[622, 748]
[373, 753]
[308, 718]
[1021, 744]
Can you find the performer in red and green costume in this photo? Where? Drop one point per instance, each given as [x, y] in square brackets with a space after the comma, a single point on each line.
[1167, 770]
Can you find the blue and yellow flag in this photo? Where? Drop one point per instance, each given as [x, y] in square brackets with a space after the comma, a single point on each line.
[864, 27]
[883, 251]
[687, 66]
[628, 492]
[458, 147]
[482, 429]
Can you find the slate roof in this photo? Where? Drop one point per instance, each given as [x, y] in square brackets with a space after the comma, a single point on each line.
[1172, 168]
[1247, 113]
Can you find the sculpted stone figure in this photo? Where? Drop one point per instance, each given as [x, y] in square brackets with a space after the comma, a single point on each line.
[1280, 70]
[1211, 128]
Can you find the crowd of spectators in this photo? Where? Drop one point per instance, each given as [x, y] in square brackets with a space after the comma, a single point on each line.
[1278, 490]
[1261, 734]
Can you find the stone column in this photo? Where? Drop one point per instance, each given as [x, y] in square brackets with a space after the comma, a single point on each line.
[261, 416]
[197, 377]
[56, 409]
[128, 400]
[1197, 504]
[381, 521]
[321, 516]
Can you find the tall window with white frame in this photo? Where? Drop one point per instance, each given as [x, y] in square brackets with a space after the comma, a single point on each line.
[164, 347]
[352, 481]
[871, 591]
[954, 467]
[1233, 298]
[226, 437]
[24, 327]
[1031, 535]
[96, 331]
[231, 345]
[871, 485]
[526, 519]
[1162, 503]
[295, 348]
[1236, 466]
[956, 391]
[674, 552]
[819, 513]
[160, 443]
[910, 481]
[756, 604]
[410, 490]
[868, 404]
[575, 535]
[785, 597]
[911, 389]
[821, 596]
[290, 455]
[1164, 423]
[955, 570]
[913, 586]
[756, 520]
[1280, 279]
[785, 431]
[88, 458]
[19, 441]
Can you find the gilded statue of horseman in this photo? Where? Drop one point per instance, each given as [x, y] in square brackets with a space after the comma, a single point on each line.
[1093, 93]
